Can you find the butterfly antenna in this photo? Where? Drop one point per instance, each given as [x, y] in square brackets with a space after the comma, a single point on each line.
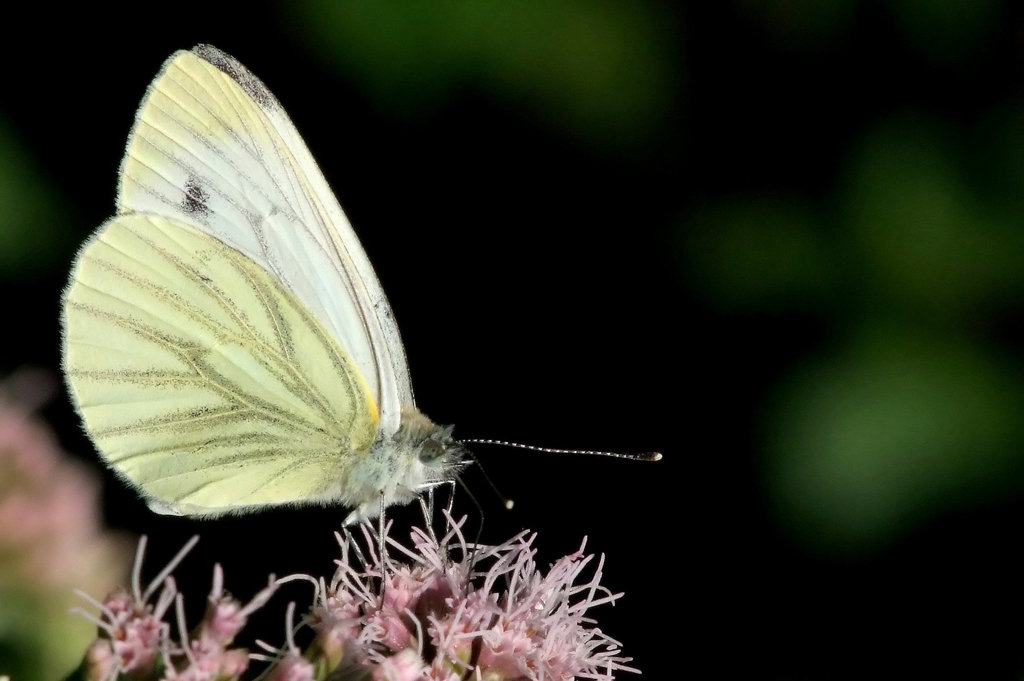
[646, 456]
[505, 501]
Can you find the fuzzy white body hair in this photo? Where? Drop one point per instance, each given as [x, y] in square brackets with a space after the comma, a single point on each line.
[419, 456]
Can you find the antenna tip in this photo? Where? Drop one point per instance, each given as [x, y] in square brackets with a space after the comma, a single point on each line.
[509, 504]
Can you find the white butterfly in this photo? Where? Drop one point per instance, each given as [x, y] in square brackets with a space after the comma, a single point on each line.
[226, 341]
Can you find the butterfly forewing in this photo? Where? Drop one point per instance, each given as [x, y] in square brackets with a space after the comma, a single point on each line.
[202, 379]
[212, 148]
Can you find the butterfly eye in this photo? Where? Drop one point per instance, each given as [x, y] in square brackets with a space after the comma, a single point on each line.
[431, 451]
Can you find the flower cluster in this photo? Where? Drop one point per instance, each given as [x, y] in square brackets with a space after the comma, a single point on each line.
[491, 615]
[448, 610]
[50, 532]
[135, 640]
[51, 537]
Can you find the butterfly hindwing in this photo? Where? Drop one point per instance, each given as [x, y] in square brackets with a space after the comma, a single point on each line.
[202, 379]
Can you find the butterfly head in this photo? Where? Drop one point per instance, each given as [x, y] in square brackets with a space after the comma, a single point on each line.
[437, 448]
[432, 445]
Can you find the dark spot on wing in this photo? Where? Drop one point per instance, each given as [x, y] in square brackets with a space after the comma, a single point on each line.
[252, 85]
[195, 201]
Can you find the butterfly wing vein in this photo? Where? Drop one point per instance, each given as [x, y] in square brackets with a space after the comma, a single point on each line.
[208, 395]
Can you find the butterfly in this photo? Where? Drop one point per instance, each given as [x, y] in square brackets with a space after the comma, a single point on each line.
[226, 341]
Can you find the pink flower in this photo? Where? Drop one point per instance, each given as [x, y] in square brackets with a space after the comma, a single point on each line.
[50, 530]
[443, 610]
[292, 667]
[437, 618]
[51, 536]
[132, 631]
[136, 641]
[405, 665]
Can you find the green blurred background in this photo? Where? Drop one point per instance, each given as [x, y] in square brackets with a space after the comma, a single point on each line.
[780, 241]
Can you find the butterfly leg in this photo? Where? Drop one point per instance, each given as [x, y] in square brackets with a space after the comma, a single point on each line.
[427, 507]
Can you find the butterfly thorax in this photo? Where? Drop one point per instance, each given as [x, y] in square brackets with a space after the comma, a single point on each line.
[398, 467]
